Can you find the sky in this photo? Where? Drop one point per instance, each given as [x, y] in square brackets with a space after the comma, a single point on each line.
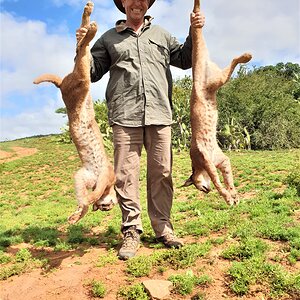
[38, 36]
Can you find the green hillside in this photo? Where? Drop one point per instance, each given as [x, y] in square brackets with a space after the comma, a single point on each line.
[251, 250]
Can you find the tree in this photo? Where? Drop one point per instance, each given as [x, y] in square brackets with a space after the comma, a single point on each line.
[264, 101]
[181, 128]
[258, 109]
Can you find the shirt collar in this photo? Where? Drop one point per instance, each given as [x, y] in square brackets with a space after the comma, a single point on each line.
[121, 24]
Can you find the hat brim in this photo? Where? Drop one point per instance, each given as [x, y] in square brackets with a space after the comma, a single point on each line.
[119, 5]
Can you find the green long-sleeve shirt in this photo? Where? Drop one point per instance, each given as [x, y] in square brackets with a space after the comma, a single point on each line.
[139, 90]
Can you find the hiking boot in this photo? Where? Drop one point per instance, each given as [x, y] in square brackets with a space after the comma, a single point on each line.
[170, 241]
[130, 244]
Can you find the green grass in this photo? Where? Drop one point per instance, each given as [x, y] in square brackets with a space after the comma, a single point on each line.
[21, 263]
[259, 239]
[108, 258]
[173, 258]
[246, 248]
[256, 270]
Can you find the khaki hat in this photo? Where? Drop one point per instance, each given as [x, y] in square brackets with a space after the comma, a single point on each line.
[121, 8]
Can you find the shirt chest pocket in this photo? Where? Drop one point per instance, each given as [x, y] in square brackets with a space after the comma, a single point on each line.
[159, 52]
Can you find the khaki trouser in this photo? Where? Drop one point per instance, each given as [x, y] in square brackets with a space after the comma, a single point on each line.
[128, 143]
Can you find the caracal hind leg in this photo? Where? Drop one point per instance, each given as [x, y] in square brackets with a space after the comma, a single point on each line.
[223, 164]
[92, 30]
[86, 22]
[83, 181]
[227, 72]
[214, 176]
[88, 9]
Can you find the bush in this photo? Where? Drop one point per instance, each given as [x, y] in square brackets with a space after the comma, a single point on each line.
[181, 128]
[101, 119]
[98, 289]
[258, 109]
[133, 292]
[264, 101]
[184, 283]
[293, 179]
[139, 266]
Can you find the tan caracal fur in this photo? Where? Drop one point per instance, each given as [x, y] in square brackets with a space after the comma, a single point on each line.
[206, 155]
[94, 181]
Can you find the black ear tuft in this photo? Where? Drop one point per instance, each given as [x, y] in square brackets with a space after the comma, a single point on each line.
[188, 182]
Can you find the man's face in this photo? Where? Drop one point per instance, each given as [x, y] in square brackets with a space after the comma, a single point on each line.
[135, 9]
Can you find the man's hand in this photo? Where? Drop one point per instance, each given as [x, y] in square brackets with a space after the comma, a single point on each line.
[197, 20]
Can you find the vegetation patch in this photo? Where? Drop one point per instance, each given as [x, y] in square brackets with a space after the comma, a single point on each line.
[139, 266]
[246, 248]
[184, 284]
[98, 289]
[136, 291]
[257, 270]
[254, 247]
[21, 263]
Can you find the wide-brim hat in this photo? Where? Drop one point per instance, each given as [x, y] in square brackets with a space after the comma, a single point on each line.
[121, 8]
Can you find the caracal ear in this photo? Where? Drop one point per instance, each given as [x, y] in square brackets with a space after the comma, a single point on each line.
[188, 182]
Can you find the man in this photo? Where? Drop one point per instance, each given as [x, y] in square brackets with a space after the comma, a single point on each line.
[138, 55]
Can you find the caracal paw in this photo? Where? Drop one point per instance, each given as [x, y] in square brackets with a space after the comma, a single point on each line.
[78, 214]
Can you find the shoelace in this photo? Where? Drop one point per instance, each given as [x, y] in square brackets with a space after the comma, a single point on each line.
[170, 237]
[130, 239]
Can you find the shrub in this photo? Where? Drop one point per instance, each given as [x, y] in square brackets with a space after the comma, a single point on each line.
[181, 128]
[98, 289]
[233, 136]
[4, 258]
[184, 283]
[247, 248]
[133, 292]
[264, 101]
[293, 179]
[23, 255]
[101, 119]
[139, 266]
[181, 258]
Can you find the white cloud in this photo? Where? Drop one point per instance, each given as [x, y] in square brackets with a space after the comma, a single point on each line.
[81, 3]
[270, 29]
[29, 51]
[33, 122]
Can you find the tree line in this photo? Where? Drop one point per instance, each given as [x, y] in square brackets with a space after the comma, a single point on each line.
[259, 109]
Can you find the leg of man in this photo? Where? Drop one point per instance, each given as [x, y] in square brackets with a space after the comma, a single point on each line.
[128, 143]
[159, 178]
[159, 183]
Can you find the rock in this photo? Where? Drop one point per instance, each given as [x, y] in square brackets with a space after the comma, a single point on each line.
[158, 289]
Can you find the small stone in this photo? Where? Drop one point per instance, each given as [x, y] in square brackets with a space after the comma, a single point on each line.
[158, 289]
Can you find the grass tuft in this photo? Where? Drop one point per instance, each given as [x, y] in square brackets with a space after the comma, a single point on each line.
[184, 284]
[134, 292]
[98, 289]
